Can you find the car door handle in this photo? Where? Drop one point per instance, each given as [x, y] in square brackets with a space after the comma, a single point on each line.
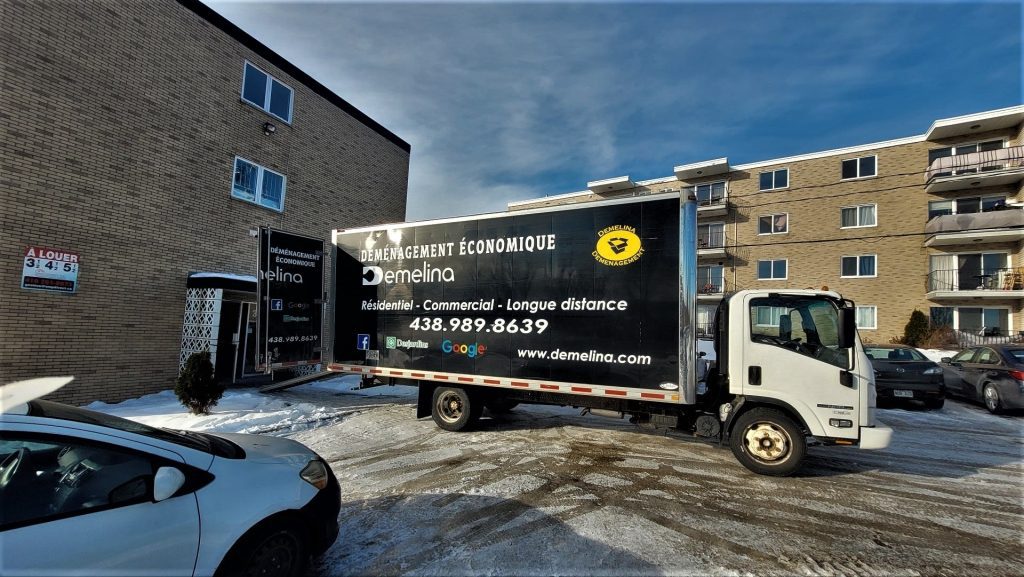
[754, 375]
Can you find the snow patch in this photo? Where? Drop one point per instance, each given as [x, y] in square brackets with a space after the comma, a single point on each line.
[602, 480]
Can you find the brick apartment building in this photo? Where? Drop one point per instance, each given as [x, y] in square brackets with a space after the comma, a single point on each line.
[930, 222]
[148, 139]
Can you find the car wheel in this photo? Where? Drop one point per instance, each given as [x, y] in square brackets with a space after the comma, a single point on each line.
[990, 395]
[272, 551]
[453, 409]
[768, 442]
[934, 404]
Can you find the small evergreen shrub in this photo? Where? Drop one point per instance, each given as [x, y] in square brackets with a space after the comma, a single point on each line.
[196, 387]
[917, 329]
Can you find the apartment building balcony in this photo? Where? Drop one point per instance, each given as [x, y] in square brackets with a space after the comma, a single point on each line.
[712, 206]
[710, 244]
[998, 167]
[710, 288]
[976, 228]
[973, 283]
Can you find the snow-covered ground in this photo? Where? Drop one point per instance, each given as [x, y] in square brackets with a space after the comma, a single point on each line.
[937, 354]
[546, 491]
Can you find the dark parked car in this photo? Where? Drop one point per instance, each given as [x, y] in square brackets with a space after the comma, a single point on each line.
[902, 373]
[992, 374]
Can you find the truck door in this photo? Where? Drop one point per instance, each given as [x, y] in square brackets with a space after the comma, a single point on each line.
[791, 354]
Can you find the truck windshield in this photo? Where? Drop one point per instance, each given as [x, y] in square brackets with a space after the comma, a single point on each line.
[803, 324]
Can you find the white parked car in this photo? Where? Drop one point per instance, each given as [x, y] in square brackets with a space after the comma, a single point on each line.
[83, 492]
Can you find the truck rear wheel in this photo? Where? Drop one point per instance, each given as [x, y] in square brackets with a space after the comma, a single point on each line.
[768, 442]
[453, 409]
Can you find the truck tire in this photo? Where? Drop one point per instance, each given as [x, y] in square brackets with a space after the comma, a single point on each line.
[768, 442]
[453, 409]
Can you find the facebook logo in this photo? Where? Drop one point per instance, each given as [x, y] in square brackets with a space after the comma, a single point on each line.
[276, 304]
[363, 342]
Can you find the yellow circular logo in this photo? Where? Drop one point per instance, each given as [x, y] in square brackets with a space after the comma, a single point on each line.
[618, 245]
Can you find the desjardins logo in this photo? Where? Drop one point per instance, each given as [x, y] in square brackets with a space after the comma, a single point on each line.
[618, 245]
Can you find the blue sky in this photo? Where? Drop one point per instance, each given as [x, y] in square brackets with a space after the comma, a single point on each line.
[506, 102]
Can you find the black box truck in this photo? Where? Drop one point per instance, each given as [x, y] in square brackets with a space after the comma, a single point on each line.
[592, 305]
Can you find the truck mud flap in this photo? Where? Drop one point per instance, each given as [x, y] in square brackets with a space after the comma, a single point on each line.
[424, 399]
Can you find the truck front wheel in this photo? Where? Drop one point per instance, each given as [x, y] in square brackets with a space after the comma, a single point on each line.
[768, 442]
[453, 409]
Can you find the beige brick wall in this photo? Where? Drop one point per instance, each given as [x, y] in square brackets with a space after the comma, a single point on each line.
[119, 125]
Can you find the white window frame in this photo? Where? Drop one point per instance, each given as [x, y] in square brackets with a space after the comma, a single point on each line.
[266, 98]
[859, 176]
[773, 215]
[956, 314]
[772, 172]
[858, 257]
[772, 260]
[258, 197]
[858, 206]
[874, 317]
[711, 225]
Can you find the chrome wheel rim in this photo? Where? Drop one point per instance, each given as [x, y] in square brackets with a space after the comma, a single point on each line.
[450, 407]
[991, 398]
[767, 442]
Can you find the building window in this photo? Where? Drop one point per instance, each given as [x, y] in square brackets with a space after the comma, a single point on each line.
[968, 205]
[857, 216]
[258, 185]
[867, 317]
[710, 280]
[710, 194]
[857, 266]
[962, 149]
[264, 91]
[771, 269]
[773, 224]
[768, 316]
[774, 179]
[973, 320]
[862, 167]
[711, 235]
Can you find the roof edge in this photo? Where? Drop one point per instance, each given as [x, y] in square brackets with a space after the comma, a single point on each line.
[247, 40]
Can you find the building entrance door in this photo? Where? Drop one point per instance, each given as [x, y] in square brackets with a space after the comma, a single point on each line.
[236, 341]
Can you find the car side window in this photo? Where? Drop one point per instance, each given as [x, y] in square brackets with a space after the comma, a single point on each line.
[964, 356]
[987, 357]
[54, 477]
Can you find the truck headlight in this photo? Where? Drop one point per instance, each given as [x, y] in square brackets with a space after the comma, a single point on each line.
[315, 473]
[933, 371]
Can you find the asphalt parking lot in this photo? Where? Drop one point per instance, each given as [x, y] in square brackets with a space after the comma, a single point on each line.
[546, 491]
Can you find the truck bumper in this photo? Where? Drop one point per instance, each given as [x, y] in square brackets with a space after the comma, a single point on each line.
[876, 437]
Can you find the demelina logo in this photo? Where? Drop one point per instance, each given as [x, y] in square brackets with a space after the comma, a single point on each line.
[618, 245]
[282, 276]
[472, 351]
[374, 275]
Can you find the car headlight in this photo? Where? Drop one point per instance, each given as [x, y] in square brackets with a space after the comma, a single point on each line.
[315, 473]
[933, 371]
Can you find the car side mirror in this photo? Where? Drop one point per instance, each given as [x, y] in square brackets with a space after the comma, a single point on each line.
[166, 483]
[847, 327]
[947, 360]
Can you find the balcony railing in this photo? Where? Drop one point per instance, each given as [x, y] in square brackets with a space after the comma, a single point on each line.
[713, 239]
[975, 162]
[713, 201]
[705, 330]
[970, 337]
[1002, 279]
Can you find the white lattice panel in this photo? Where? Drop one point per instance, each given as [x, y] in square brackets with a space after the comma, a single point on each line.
[202, 322]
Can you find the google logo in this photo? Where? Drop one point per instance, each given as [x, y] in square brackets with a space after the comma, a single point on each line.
[471, 351]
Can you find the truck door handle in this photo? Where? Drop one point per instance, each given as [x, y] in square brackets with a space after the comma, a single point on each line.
[754, 375]
[846, 379]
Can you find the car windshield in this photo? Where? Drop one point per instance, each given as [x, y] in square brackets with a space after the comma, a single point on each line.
[53, 410]
[888, 354]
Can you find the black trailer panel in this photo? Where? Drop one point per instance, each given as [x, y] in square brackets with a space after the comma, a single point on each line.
[588, 294]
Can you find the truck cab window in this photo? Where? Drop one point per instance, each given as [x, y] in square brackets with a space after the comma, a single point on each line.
[808, 326]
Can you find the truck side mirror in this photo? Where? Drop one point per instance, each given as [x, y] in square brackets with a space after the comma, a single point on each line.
[847, 327]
